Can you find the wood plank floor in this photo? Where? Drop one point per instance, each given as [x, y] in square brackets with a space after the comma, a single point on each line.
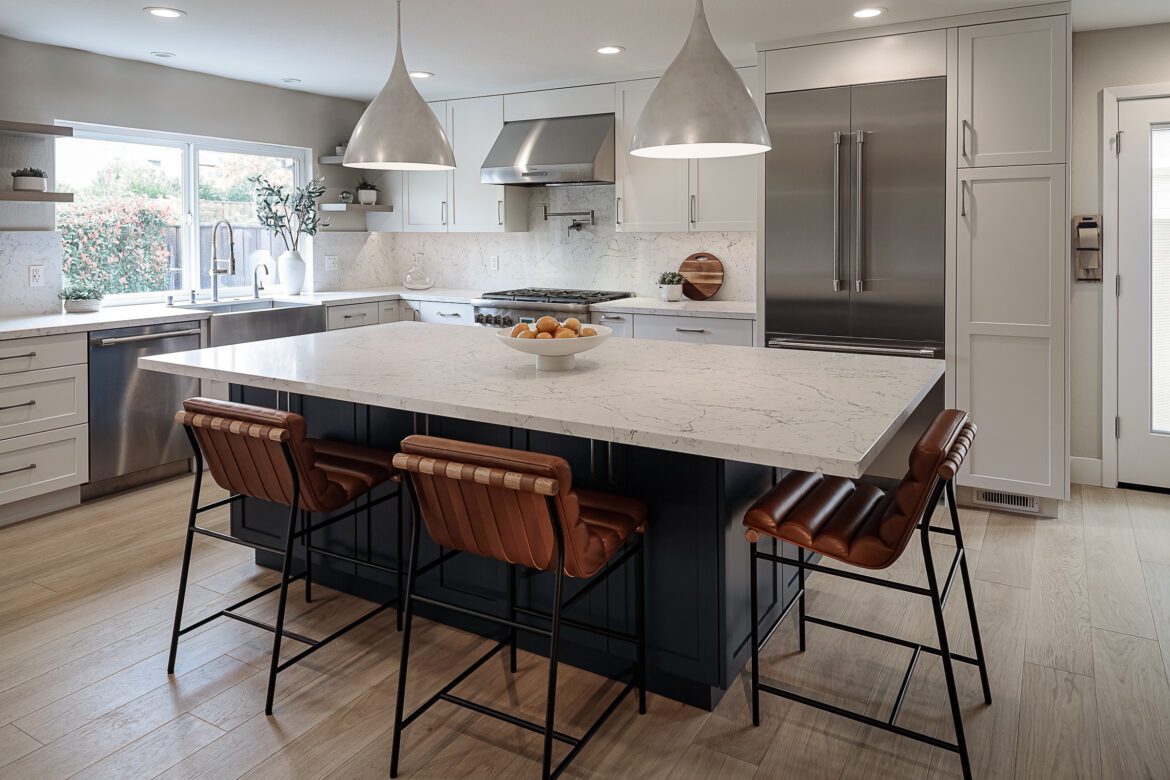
[1075, 614]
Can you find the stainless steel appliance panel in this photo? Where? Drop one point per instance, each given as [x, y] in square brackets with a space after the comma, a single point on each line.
[898, 185]
[131, 411]
[807, 205]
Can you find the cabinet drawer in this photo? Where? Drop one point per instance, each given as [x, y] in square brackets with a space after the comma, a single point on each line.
[622, 324]
[448, 313]
[65, 349]
[43, 462]
[387, 311]
[353, 315]
[34, 401]
[700, 330]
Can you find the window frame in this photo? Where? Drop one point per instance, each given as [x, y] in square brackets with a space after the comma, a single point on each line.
[190, 145]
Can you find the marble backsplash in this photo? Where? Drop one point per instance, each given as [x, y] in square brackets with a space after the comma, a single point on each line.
[18, 250]
[548, 255]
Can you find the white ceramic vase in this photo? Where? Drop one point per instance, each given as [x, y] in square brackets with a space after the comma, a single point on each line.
[292, 272]
[670, 292]
[367, 197]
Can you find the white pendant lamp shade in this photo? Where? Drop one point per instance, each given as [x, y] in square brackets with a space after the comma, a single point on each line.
[398, 131]
[700, 107]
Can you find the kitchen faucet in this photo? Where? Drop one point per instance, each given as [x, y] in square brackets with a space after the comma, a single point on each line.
[257, 285]
[215, 261]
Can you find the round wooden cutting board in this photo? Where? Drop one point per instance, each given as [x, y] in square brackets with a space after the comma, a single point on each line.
[702, 276]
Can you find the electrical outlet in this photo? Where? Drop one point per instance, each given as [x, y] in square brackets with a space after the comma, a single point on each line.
[494, 263]
[331, 263]
[36, 276]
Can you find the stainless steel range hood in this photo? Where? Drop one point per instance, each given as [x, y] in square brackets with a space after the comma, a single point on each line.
[550, 152]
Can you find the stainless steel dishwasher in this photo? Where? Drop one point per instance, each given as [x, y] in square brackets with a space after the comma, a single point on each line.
[132, 433]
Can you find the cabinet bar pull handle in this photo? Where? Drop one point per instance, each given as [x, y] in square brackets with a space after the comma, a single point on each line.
[29, 467]
[444, 212]
[618, 210]
[351, 316]
[605, 317]
[858, 217]
[837, 211]
[17, 406]
[690, 330]
[169, 334]
[17, 357]
[693, 204]
[963, 130]
[500, 211]
[447, 313]
[963, 198]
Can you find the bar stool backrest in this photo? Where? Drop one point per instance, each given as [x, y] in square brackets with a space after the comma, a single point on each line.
[499, 503]
[245, 446]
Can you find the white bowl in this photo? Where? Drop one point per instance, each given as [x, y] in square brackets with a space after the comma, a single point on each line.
[555, 354]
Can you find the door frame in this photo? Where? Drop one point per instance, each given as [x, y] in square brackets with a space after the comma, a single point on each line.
[1110, 193]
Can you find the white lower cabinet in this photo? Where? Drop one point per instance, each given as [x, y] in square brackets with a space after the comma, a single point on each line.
[352, 315]
[446, 313]
[696, 330]
[35, 401]
[43, 462]
[388, 311]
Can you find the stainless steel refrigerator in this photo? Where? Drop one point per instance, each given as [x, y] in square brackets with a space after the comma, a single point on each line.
[855, 218]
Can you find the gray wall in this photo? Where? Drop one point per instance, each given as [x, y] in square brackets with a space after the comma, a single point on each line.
[1101, 58]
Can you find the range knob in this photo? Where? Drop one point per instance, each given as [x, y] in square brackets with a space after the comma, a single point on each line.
[507, 321]
[479, 318]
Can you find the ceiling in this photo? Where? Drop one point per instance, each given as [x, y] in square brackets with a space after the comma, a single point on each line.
[474, 47]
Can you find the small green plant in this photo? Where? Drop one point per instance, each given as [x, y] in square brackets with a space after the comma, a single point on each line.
[80, 292]
[366, 185]
[33, 172]
[670, 277]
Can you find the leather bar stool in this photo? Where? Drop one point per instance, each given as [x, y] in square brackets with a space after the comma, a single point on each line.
[519, 508]
[265, 454]
[864, 526]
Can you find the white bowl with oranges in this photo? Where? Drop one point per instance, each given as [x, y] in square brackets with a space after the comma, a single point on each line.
[554, 342]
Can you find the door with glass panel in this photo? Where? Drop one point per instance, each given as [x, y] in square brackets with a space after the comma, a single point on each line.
[1143, 319]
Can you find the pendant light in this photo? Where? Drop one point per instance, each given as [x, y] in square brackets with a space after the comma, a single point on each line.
[700, 107]
[398, 131]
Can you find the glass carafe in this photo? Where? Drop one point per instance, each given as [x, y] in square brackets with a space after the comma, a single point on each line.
[417, 277]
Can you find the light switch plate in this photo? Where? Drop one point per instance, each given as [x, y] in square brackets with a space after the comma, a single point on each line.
[331, 263]
[494, 263]
[36, 276]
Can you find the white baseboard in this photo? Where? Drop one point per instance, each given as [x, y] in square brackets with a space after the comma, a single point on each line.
[1085, 471]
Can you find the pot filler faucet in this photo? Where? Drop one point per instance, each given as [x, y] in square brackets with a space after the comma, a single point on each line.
[217, 270]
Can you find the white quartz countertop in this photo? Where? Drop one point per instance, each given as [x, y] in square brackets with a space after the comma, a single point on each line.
[23, 326]
[738, 310]
[788, 408]
[338, 297]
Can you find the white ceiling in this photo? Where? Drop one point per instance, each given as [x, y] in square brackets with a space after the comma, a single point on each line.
[474, 47]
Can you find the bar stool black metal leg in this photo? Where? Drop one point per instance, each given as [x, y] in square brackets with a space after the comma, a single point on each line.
[970, 595]
[945, 652]
[755, 642]
[640, 619]
[800, 584]
[285, 577]
[186, 553]
[399, 573]
[404, 654]
[512, 616]
[306, 523]
[554, 649]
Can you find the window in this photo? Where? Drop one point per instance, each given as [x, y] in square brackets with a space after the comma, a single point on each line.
[145, 205]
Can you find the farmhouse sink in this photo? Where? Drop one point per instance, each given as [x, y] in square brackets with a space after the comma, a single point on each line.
[249, 319]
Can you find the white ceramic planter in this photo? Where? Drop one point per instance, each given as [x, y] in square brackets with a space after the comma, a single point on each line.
[30, 183]
[82, 307]
[367, 197]
[670, 292]
[292, 272]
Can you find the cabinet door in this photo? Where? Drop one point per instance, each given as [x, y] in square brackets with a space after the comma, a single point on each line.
[447, 313]
[1011, 331]
[621, 324]
[473, 126]
[427, 201]
[387, 312]
[652, 195]
[723, 191]
[352, 315]
[1012, 93]
[696, 330]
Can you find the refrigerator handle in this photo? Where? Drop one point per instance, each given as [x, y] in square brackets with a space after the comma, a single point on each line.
[837, 211]
[858, 220]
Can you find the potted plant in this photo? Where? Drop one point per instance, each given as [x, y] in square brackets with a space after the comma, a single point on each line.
[30, 180]
[289, 215]
[670, 285]
[81, 298]
[367, 192]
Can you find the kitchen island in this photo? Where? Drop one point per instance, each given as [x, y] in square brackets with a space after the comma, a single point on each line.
[697, 431]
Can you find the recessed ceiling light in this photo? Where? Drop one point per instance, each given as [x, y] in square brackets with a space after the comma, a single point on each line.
[164, 12]
[291, 81]
[869, 13]
[611, 49]
[162, 54]
[421, 74]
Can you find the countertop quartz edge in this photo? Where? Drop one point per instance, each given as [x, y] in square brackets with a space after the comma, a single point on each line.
[32, 325]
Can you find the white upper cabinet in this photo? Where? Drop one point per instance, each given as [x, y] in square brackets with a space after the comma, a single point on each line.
[473, 126]
[657, 196]
[1013, 93]
[569, 101]
[427, 207]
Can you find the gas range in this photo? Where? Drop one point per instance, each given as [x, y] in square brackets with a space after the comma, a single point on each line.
[505, 308]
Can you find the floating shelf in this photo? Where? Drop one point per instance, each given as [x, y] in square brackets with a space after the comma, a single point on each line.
[353, 207]
[34, 130]
[36, 197]
[330, 159]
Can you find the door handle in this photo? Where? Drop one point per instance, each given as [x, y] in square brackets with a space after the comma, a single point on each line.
[962, 198]
[837, 211]
[447, 313]
[113, 342]
[500, 211]
[690, 330]
[29, 467]
[618, 209]
[443, 212]
[858, 217]
[693, 203]
[963, 128]
[18, 357]
[857, 348]
[17, 406]
[351, 316]
[607, 318]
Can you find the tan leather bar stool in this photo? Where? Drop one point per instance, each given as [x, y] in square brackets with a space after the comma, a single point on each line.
[519, 508]
[265, 454]
[864, 526]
